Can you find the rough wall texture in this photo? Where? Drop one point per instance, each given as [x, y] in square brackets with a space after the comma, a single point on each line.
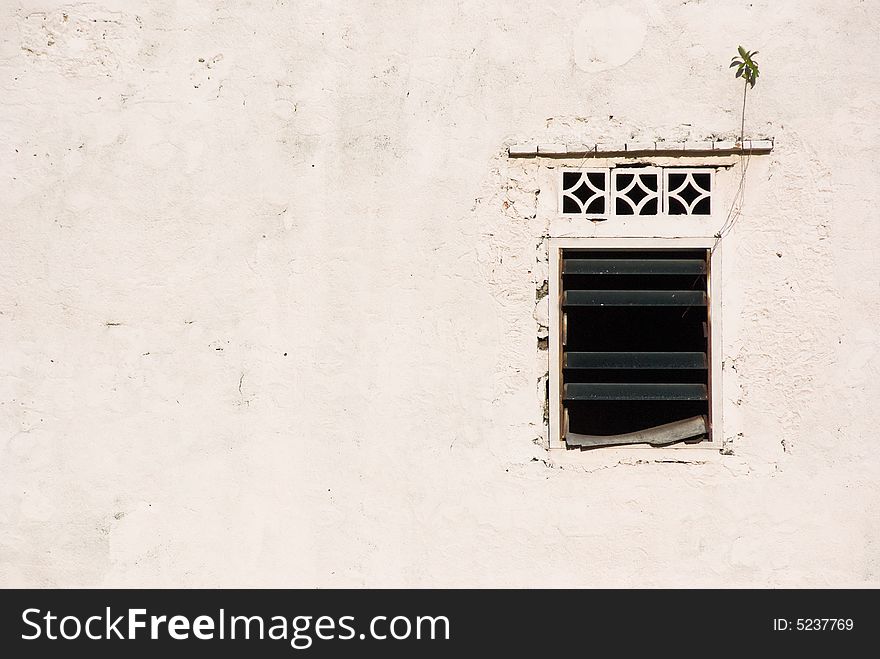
[268, 285]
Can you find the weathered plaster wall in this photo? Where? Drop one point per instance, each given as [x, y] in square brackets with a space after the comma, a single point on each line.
[268, 283]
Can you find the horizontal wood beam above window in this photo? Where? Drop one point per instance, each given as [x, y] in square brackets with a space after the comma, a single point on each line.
[721, 147]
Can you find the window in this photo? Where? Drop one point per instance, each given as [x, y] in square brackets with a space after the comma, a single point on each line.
[636, 191]
[631, 343]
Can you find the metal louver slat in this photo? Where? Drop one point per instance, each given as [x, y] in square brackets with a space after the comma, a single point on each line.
[612, 298]
[668, 433]
[577, 266]
[634, 391]
[635, 360]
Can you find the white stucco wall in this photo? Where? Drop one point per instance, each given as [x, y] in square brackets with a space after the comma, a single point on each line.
[267, 294]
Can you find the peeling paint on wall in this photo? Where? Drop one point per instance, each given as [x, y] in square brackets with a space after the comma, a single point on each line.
[272, 288]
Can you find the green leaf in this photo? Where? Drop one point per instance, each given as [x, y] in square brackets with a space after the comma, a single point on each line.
[746, 67]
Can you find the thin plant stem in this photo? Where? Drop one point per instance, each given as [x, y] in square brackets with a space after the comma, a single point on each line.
[742, 127]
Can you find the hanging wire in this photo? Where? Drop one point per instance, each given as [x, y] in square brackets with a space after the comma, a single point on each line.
[735, 211]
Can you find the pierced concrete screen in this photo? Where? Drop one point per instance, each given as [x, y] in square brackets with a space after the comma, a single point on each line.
[688, 192]
[585, 192]
[635, 342]
[635, 191]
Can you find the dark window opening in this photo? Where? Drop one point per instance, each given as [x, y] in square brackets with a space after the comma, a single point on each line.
[569, 205]
[570, 179]
[689, 193]
[675, 207]
[702, 179]
[582, 192]
[597, 206]
[597, 180]
[676, 180]
[623, 208]
[635, 353]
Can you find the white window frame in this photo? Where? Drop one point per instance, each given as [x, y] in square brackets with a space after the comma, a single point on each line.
[713, 286]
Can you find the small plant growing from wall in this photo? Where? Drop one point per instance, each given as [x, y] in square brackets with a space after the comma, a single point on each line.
[747, 69]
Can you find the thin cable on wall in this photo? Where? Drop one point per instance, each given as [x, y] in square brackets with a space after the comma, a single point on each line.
[736, 205]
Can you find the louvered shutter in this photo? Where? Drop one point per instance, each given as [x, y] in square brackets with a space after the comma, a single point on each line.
[635, 346]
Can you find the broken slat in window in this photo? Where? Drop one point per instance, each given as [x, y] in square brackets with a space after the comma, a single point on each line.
[652, 360]
[668, 433]
[579, 266]
[615, 298]
[634, 391]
